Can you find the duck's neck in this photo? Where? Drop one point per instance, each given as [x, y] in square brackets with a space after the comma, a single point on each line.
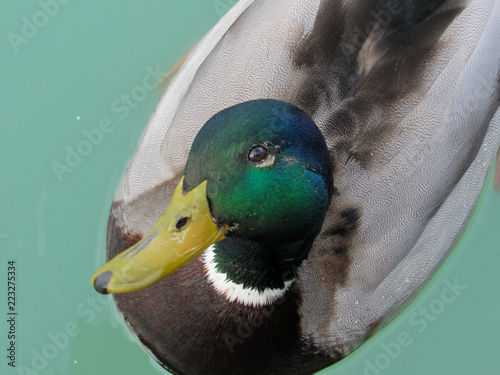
[253, 273]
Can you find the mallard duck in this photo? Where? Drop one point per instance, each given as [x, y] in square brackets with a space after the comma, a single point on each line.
[321, 159]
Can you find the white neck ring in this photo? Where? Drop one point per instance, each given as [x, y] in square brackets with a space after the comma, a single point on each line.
[234, 292]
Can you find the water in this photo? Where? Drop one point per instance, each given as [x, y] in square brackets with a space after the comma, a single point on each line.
[75, 99]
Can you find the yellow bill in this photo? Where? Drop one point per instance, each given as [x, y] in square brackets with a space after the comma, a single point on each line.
[184, 231]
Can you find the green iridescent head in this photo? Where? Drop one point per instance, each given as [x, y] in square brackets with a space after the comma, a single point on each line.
[257, 185]
[268, 171]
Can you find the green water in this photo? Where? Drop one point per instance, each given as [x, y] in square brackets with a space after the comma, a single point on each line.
[66, 80]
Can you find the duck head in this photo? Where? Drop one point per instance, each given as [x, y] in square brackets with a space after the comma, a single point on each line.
[258, 182]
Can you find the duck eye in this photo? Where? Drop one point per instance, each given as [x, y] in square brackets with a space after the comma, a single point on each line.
[257, 154]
